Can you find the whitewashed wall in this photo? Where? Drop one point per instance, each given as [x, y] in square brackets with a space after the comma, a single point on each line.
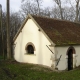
[30, 33]
[42, 55]
[63, 61]
[63, 64]
[77, 48]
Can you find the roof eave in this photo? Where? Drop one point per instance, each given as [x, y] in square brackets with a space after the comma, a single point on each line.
[62, 45]
[20, 28]
[42, 30]
[29, 16]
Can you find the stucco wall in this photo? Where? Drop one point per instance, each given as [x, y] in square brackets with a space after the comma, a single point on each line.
[30, 33]
[77, 48]
[42, 54]
[63, 64]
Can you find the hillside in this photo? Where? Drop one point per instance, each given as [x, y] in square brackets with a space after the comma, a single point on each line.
[12, 70]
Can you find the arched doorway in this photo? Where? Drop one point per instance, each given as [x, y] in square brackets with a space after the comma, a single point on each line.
[70, 53]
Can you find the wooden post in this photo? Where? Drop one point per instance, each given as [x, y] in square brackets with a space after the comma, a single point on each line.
[8, 32]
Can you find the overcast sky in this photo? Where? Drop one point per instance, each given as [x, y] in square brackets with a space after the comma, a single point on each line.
[15, 4]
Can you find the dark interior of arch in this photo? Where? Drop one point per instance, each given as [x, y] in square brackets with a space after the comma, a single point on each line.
[30, 49]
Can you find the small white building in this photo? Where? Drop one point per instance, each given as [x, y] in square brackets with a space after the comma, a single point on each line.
[51, 42]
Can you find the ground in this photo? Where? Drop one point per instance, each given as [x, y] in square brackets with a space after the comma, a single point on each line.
[12, 70]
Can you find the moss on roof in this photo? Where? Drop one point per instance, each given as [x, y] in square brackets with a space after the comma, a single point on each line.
[59, 31]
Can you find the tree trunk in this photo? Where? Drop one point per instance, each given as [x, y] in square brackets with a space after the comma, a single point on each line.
[61, 12]
[38, 7]
[77, 11]
[1, 30]
[58, 2]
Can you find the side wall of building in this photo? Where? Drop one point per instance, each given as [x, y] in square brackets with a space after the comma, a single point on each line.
[63, 63]
[31, 34]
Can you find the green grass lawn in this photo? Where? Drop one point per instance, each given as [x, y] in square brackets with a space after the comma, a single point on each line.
[11, 70]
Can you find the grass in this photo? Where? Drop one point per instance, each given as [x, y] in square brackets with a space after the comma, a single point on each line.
[12, 70]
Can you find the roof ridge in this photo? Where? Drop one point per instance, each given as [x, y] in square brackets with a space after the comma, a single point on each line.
[55, 19]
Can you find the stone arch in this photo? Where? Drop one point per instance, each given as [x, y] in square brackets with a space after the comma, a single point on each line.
[30, 43]
[71, 47]
[70, 60]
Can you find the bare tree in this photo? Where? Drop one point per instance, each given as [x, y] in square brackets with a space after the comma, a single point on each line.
[15, 22]
[1, 29]
[46, 12]
[55, 13]
[38, 3]
[4, 32]
[77, 10]
[58, 2]
[28, 7]
[32, 4]
[31, 7]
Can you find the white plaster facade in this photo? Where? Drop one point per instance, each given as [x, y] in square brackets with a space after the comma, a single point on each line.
[63, 64]
[30, 33]
[42, 55]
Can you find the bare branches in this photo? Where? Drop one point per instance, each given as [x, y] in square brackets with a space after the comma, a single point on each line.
[58, 2]
[38, 3]
[77, 10]
[77, 1]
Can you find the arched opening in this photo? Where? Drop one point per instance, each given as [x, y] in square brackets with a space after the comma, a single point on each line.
[70, 59]
[70, 53]
[30, 48]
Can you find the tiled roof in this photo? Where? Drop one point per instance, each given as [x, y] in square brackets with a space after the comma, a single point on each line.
[59, 31]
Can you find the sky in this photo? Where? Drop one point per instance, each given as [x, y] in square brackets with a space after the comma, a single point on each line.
[15, 4]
